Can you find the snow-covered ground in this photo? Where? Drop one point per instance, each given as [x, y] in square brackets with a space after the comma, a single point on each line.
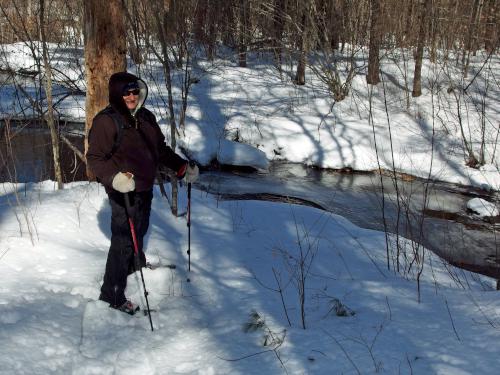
[53, 251]
[482, 208]
[53, 245]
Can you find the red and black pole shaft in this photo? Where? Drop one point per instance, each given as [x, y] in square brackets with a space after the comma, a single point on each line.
[136, 254]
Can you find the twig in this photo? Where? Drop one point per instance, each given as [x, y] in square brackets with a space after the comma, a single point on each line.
[451, 319]
[488, 320]
[73, 148]
[395, 183]
[344, 351]
[362, 247]
[275, 350]
[280, 290]
[372, 123]
[479, 71]
[389, 307]
[409, 364]
[246, 356]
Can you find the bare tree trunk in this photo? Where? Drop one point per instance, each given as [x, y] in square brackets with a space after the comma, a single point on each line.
[105, 53]
[200, 20]
[425, 7]
[205, 24]
[49, 116]
[373, 77]
[278, 29]
[434, 34]
[161, 18]
[213, 27]
[336, 28]
[471, 35]
[229, 22]
[491, 32]
[408, 37]
[243, 32]
[300, 75]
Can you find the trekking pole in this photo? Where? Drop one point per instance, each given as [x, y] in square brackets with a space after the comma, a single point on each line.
[136, 254]
[191, 163]
[189, 229]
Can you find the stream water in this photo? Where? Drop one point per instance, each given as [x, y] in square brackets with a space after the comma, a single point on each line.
[440, 222]
[26, 154]
[432, 214]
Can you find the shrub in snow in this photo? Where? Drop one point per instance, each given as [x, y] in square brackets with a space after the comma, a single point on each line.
[257, 323]
[340, 309]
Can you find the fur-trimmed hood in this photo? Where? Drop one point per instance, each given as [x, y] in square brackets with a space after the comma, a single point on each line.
[117, 83]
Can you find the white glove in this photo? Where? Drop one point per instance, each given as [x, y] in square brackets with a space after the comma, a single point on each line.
[123, 182]
[192, 173]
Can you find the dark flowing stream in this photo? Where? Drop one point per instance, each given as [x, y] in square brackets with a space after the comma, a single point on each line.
[440, 222]
[26, 154]
[430, 213]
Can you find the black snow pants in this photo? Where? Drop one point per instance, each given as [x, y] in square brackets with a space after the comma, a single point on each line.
[121, 261]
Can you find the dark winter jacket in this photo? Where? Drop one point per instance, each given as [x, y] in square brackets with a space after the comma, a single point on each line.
[142, 147]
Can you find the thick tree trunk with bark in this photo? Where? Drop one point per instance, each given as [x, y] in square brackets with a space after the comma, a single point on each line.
[105, 53]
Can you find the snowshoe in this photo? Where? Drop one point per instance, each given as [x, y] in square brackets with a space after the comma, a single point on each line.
[152, 266]
[128, 307]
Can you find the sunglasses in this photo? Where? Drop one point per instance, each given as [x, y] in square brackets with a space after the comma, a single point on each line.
[131, 92]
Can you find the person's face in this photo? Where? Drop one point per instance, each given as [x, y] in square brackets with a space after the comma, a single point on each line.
[131, 98]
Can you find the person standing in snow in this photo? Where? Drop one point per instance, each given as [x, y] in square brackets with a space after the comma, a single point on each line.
[125, 161]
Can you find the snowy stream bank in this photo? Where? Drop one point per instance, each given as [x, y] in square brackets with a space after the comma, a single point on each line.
[449, 229]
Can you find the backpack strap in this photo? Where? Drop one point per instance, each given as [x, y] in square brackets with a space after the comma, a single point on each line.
[119, 134]
[118, 121]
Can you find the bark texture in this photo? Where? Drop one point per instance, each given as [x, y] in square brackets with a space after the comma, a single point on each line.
[105, 53]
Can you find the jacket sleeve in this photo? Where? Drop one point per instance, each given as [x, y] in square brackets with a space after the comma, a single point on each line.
[167, 158]
[101, 139]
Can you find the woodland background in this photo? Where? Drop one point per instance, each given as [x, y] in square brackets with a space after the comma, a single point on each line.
[324, 36]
